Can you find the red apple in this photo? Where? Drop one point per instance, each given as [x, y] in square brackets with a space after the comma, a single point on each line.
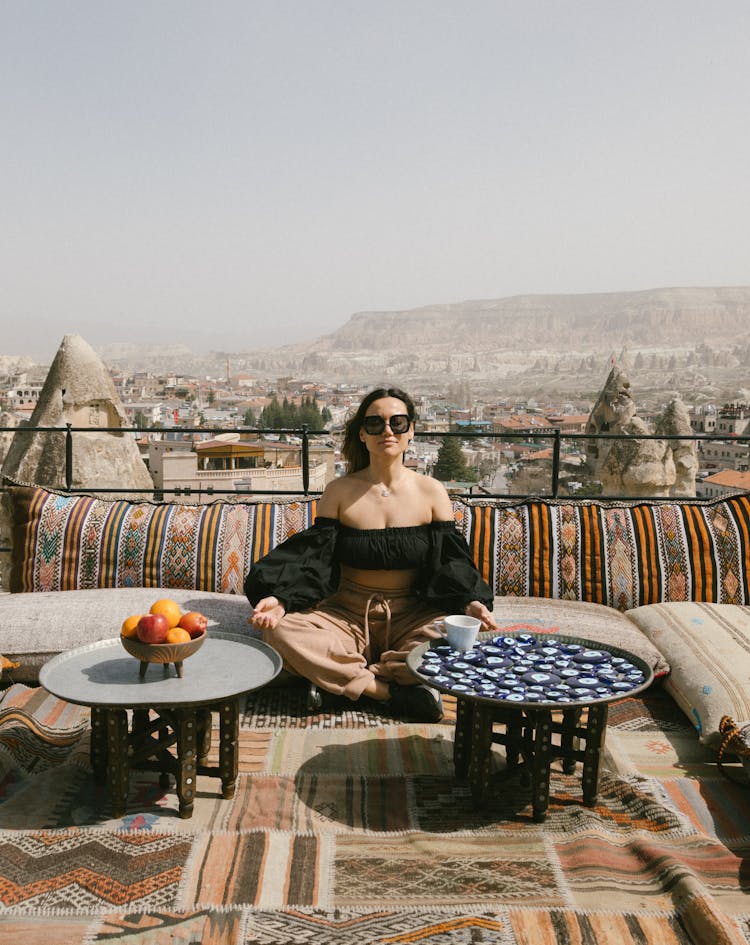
[152, 628]
[194, 622]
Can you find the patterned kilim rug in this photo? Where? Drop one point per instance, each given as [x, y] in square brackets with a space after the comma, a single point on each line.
[349, 829]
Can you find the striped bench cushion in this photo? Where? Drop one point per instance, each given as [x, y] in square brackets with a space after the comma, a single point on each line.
[63, 543]
[622, 554]
[619, 554]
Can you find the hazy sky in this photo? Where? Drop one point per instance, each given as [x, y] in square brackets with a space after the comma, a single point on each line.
[233, 174]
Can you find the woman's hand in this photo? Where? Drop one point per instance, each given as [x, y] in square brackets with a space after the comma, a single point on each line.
[477, 609]
[267, 613]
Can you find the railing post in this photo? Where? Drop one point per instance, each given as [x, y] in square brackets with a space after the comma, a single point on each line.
[68, 456]
[556, 464]
[305, 459]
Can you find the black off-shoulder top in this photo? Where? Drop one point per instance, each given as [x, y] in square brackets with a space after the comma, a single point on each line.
[305, 568]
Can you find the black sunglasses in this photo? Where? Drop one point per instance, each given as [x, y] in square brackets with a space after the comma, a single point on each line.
[374, 425]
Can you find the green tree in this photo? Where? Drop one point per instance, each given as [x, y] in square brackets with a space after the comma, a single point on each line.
[451, 465]
[248, 420]
[310, 414]
[271, 416]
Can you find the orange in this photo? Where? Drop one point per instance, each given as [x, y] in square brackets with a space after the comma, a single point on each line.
[129, 626]
[178, 635]
[167, 608]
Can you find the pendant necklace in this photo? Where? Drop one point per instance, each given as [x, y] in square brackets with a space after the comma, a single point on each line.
[385, 491]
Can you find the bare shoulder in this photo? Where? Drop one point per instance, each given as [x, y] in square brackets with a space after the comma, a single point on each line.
[335, 495]
[339, 494]
[436, 493]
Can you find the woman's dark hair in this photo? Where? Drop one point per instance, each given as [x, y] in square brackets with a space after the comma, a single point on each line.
[354, 450]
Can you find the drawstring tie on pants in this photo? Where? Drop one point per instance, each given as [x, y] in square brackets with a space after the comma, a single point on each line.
[377, 599]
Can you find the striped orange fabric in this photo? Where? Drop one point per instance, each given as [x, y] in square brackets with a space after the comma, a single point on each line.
[592, 557]
[65, 542]
[619, 554]
[699, 539]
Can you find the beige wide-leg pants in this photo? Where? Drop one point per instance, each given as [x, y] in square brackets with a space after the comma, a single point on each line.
[354, 636]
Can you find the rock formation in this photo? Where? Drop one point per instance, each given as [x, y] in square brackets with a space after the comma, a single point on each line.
[78, 391]
[635, 466]
[676, 422]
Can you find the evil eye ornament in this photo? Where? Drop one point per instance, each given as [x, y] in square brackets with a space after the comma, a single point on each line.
[591, 656]
[540, 679]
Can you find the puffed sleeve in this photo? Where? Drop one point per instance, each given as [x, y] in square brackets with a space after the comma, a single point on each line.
[451, 579]
[300, 571]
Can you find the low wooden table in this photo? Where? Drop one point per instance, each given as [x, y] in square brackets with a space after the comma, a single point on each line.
[166, 711]
[533, 734]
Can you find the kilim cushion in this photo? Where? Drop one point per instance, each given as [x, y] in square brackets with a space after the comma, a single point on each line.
[622, 554]
[63, 542]
[708, 649]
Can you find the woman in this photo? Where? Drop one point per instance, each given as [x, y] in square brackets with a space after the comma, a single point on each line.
[345, 601]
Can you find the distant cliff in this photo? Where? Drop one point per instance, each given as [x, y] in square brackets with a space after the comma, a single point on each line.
[650, 317]
[692, 341]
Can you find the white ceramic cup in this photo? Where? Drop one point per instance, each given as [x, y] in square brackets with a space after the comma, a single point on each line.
[461, 631]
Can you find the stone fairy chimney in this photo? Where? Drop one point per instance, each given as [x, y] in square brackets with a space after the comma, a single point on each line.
[633, 466]
[613, 410]
[77, 391]
[675, 421]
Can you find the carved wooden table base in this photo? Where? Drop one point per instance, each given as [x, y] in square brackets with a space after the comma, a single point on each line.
[528, 735]
[173, 742]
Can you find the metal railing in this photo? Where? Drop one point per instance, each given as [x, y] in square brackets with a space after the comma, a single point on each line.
[556, 437]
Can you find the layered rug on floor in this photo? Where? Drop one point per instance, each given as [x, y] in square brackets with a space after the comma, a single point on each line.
[349, 828]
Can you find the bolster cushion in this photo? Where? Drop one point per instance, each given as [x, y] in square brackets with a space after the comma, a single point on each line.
[621, 554]
[708, 649]
[65, 543]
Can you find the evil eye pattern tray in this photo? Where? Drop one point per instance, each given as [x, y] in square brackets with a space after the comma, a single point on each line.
[527, 669]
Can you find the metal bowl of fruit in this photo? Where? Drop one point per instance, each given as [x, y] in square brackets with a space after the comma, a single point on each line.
[163, 635]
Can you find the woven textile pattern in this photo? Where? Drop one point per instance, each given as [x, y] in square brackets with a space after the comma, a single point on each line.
[342, 832]
[622, 555]
[78, 542]
[619, 554]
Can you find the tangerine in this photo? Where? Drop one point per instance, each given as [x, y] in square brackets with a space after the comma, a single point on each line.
[178, 635]
[167, 608]
[130, 626]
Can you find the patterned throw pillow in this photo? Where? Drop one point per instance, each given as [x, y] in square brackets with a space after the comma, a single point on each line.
[622, 554]
[708, 649]
[63, 542]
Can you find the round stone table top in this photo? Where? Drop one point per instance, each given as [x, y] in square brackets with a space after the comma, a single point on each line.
[104, 674]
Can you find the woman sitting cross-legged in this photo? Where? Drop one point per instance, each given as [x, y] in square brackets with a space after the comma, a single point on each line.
[345, 601]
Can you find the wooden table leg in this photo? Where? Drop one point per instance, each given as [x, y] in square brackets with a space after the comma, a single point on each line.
[540, 764]
[514, 737]
[118, 763]
[229, 731]
[99, 743]
[462, 737]
[186, 729]
[596, 728]
[569, 741]
[481, 756]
